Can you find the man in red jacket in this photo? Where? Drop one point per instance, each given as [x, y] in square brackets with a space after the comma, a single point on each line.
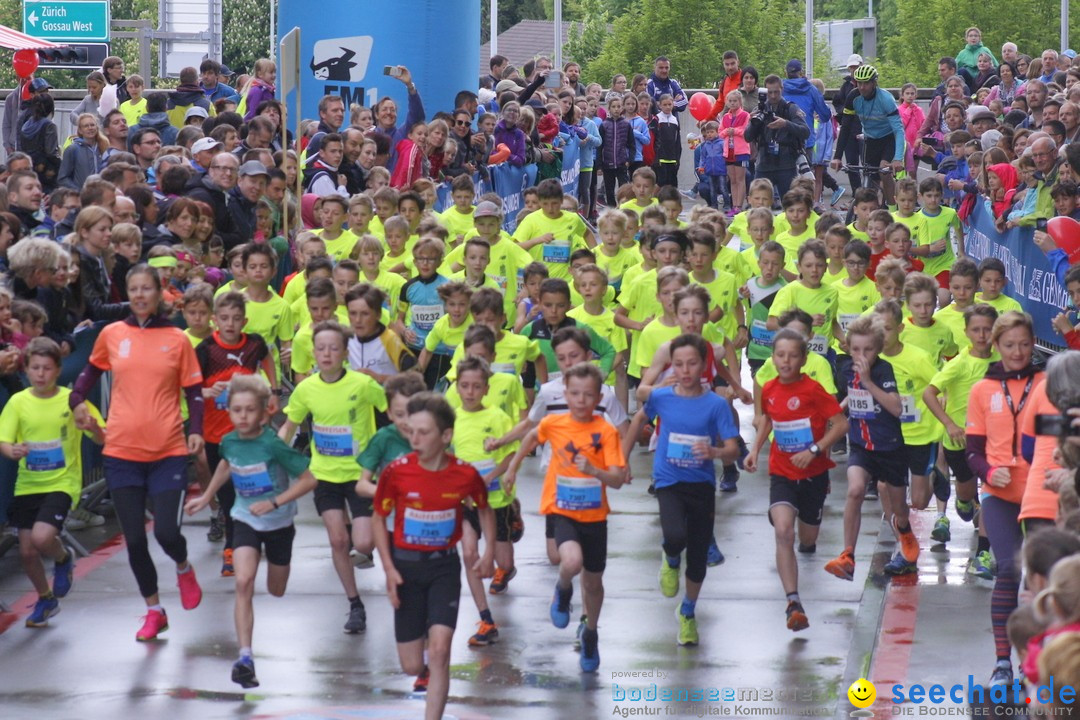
[732, 81]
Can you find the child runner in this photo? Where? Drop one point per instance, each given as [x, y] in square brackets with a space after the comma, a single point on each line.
[528, 308]
[611, 255]
[552, 234]
[322, 302]
[921, 328]
[425, 490]
[504, 388]
[898, 245]
[259, 465]
[339, 241]
[760, 292]
[938, 231]
[227, 352]
[992, 282]
[807, 421]
[874, 436]
[458, 218]
[268, 315]
[643, 183]
[863, 204]
[586, 458]
[947, 398]
[473, 428]
[592, 283]
[554, 304]
[809, 294]
[477, 259]
[797, 208]
[374, 349]
[963, 280]
[342, 405]
[421, 304]
[447, 332]
[879, 223]
[696, 428]
[38, 430]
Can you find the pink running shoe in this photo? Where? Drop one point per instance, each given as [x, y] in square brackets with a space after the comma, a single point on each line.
[155, 622]
[190, 592]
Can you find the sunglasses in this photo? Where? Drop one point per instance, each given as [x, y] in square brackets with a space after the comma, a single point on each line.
[461, 123]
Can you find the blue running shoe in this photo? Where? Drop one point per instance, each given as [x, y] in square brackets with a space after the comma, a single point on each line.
[64, 575]
[729, 481]
[243, 673]
[590, 653]
[561, 607]
[714, 557]
[837, 194]
[44, 609]
[899, 566]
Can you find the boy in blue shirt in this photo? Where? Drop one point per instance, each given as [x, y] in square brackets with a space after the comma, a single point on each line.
[692, 418]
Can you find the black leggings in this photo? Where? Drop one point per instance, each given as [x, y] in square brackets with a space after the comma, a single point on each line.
[226, 494]
[611, 176]
[687, 511]
[130, 504]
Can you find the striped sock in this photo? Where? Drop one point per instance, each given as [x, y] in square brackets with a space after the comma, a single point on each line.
[1002, 603]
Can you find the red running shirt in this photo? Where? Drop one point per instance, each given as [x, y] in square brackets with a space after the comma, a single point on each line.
[799, 413]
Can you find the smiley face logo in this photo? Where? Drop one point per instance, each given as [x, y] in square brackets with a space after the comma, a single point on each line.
[862, 693]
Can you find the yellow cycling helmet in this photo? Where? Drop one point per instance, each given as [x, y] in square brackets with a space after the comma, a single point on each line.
[865, 73]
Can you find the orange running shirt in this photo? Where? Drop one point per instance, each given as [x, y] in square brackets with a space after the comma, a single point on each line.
[149, 367]
[1038, 502]
[989, 416]
[567, 490]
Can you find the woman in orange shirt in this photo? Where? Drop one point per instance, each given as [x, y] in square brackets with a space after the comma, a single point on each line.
[994, 440]
[146, 453]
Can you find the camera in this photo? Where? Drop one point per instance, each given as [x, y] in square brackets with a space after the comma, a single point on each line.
[763, 112]
[1055, 425]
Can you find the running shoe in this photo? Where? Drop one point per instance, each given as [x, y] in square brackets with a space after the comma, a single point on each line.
[871, 492]
[807, 549]
[840, 446]
[843, 566]
[420, 684]
[590, 652]
[561, 607]
[796, 616]
[227, 569]
[64, 574]
[652, 489]
[909, 544]
[900, 566]
[580, 630]
[243, 673]
[501, 581]
[517, 522]
[190, 592]
[486, 634]
[216, 533]
[688, 634]
[154, 623]
[357, 622]
[44, 609]
[941, 532]
[1003, 673]
[714, 557]
[669, 577]
[361, 561]
[982, 565]
[80, 519]
[837, 194]
[965, 509]
[729, 481]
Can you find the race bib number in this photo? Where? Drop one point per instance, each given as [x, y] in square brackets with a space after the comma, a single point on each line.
[251, 480]
[485, 468]
[860, 404]
[333, 440]
[680, 450]
[432, 528]
[909, 412]
[760, 334]
[819, 344]
[578, 493]
[845, 319]
[557, 251]
[500, 280]
[221, 402]
[424, 317]
[43, 456]
[793, 436]
[508, 368]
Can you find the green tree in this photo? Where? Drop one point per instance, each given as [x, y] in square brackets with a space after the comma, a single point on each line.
[586, 38]
[251, 40]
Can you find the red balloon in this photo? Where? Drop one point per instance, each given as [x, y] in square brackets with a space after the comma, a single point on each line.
[1066, 234]
[25, 63]
[700, 105]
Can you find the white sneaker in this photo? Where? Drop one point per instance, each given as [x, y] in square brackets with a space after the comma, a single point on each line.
[361, 560]
[78, 519]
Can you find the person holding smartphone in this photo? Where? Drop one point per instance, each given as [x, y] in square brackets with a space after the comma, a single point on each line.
[386, 111]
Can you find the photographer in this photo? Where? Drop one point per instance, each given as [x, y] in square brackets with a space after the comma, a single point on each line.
[1063, 421]
[780, 131]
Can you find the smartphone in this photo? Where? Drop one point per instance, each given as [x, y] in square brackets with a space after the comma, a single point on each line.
[554, 79]
[391, 70]
[1041, 223]
[932, 142]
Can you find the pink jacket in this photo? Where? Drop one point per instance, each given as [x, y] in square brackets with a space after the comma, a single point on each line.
[913, 118]
[739, 121]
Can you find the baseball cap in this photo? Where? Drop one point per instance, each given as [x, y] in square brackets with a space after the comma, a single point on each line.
[196, 111]
[978, 112]
[39, 84]
[854, 60]
[487, 209]
[794, 66]
[505, 85]
[225, 71]
[1070, 53]
[204, 144]
[252, 167]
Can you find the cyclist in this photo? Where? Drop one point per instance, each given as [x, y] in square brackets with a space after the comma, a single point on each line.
[882, 129]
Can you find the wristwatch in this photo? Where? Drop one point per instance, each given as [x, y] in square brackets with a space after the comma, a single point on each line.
[815, 448]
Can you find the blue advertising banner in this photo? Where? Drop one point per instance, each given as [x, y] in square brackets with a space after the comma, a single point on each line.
[510, 183]
[571, 166]
[1032, 281]
[346, 47]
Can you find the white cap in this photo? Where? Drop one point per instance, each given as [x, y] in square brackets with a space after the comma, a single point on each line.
[204, 144]
[854, 60]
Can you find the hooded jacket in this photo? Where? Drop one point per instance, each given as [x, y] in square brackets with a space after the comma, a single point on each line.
[617, 142]
[799, 91]
[1009, 179]
[95, 288]
[514, 139]
[182, 99]
[79, 162]
[968, 58]
[159, 121]
[200, 187]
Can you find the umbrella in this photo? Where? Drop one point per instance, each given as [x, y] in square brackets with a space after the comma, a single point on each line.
[15, 40]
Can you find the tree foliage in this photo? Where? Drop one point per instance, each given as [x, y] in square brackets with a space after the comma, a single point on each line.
[247, 34]
[586, 38]
[695, 33]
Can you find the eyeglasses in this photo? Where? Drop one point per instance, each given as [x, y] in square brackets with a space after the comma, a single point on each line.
[856, 263]
[419, 259]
